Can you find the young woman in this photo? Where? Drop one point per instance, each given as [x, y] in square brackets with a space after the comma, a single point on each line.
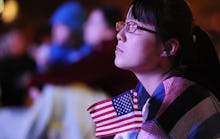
[160, 45]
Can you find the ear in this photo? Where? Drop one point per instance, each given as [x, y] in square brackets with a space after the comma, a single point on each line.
[170, 48]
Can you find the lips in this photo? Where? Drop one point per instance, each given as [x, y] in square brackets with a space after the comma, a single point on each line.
[118, 49]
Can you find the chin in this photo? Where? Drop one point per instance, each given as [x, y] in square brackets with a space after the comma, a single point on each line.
[120, 65]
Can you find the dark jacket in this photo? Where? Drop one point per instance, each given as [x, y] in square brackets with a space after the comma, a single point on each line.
[15, 73]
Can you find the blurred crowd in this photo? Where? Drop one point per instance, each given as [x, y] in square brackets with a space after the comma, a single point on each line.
[47, 83]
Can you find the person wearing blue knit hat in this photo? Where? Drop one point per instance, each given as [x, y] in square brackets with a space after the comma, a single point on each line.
[70, 14]
[67, 35]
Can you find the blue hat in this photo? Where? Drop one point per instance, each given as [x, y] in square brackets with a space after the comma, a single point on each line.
[71, 14]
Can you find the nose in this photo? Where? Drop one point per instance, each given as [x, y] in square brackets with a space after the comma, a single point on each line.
[121, 35]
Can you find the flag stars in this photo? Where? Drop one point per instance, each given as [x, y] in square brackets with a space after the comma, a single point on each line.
[122, 104]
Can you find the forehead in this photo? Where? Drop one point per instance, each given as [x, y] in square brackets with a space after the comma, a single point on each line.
[96, 14]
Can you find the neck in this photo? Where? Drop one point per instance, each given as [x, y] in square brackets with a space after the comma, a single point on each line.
[151, 80]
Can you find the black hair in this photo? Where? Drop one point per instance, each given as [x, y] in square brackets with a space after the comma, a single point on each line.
[111, 13]
[173, 19]
[202, 61]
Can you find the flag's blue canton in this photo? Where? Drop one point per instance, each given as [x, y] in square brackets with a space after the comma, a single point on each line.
[123, 103]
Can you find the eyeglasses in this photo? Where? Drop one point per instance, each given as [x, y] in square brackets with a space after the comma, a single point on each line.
[131, 27]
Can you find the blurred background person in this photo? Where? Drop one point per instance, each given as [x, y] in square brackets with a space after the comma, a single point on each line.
[67, 34]
[16, 68]
[66, 44]
[99, 24]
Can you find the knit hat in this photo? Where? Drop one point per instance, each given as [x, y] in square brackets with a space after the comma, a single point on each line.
[71, 14]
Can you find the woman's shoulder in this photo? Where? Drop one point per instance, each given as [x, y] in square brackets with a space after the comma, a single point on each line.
[188, 108]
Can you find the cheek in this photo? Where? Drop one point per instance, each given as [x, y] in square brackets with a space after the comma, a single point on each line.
[148, 54]
[130, 56]
[138, 55]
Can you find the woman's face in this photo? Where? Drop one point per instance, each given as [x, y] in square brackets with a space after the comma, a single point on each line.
[95, 28]
[60, 33]
[138, 51]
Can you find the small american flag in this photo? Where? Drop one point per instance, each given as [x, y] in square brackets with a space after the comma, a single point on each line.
[116, 115]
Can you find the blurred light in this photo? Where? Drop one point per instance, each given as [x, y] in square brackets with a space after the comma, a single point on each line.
[1, 5]
[10, 11]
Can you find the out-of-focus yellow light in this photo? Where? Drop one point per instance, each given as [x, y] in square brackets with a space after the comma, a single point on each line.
[1, 5]
[10, 11]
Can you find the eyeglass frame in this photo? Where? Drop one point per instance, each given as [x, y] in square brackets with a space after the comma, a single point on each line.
[125, 24]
